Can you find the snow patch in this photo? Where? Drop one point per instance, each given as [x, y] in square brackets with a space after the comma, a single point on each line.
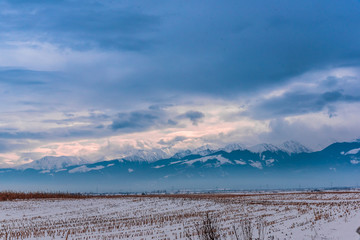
[269, 162]
[219, 158]
[175, 162]
[354, 161]
[84, 168]
[130, 170]
[241, 162]
[159, 166]
[110, 165]
[255, 164]
[353, 151]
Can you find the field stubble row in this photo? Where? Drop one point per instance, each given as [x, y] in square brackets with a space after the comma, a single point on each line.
[67, 216]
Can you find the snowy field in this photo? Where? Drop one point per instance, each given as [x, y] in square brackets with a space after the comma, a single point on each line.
[291, 215]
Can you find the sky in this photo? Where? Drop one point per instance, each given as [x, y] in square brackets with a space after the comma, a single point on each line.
[96, 79]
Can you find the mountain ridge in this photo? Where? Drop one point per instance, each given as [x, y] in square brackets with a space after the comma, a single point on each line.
[51, 162]
[240, 168]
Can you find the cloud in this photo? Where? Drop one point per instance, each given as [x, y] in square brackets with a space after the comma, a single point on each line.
[250, 46]
[231, 49]
[67, 133]
[79, 24]
[8, 145]
[92, 118]
[315, 131]
[277, 59]
[22, 135]
[61, 127]
[24, 77]
[155, 117]
[134, 120]
[172, 141]
[142, 120]
[298, 103]
[193, 116]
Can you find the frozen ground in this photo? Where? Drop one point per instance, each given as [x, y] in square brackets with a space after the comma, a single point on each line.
[324, 215]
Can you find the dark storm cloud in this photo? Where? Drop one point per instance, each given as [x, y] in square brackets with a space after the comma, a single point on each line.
[141, 120]
[215, 48]
[135, 120]
[73, 127]
[78, 24]
[153, 117]
[239, 47]
[297, 103]
[193, 116]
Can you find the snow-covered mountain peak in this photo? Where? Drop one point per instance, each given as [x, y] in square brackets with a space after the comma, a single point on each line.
[146, 155]
[51, 162]
[182, 154]
[288, 146]
[204, 150]
[151, 155]
[293, 147]
[259, 148]
[233, 147]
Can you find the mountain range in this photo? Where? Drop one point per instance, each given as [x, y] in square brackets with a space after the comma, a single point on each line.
[52, 162]
[264, 166]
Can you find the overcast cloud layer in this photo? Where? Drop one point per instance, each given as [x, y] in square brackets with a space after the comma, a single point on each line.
[96, 78]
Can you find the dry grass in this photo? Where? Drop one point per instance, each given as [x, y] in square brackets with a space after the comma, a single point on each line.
[9, 196]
